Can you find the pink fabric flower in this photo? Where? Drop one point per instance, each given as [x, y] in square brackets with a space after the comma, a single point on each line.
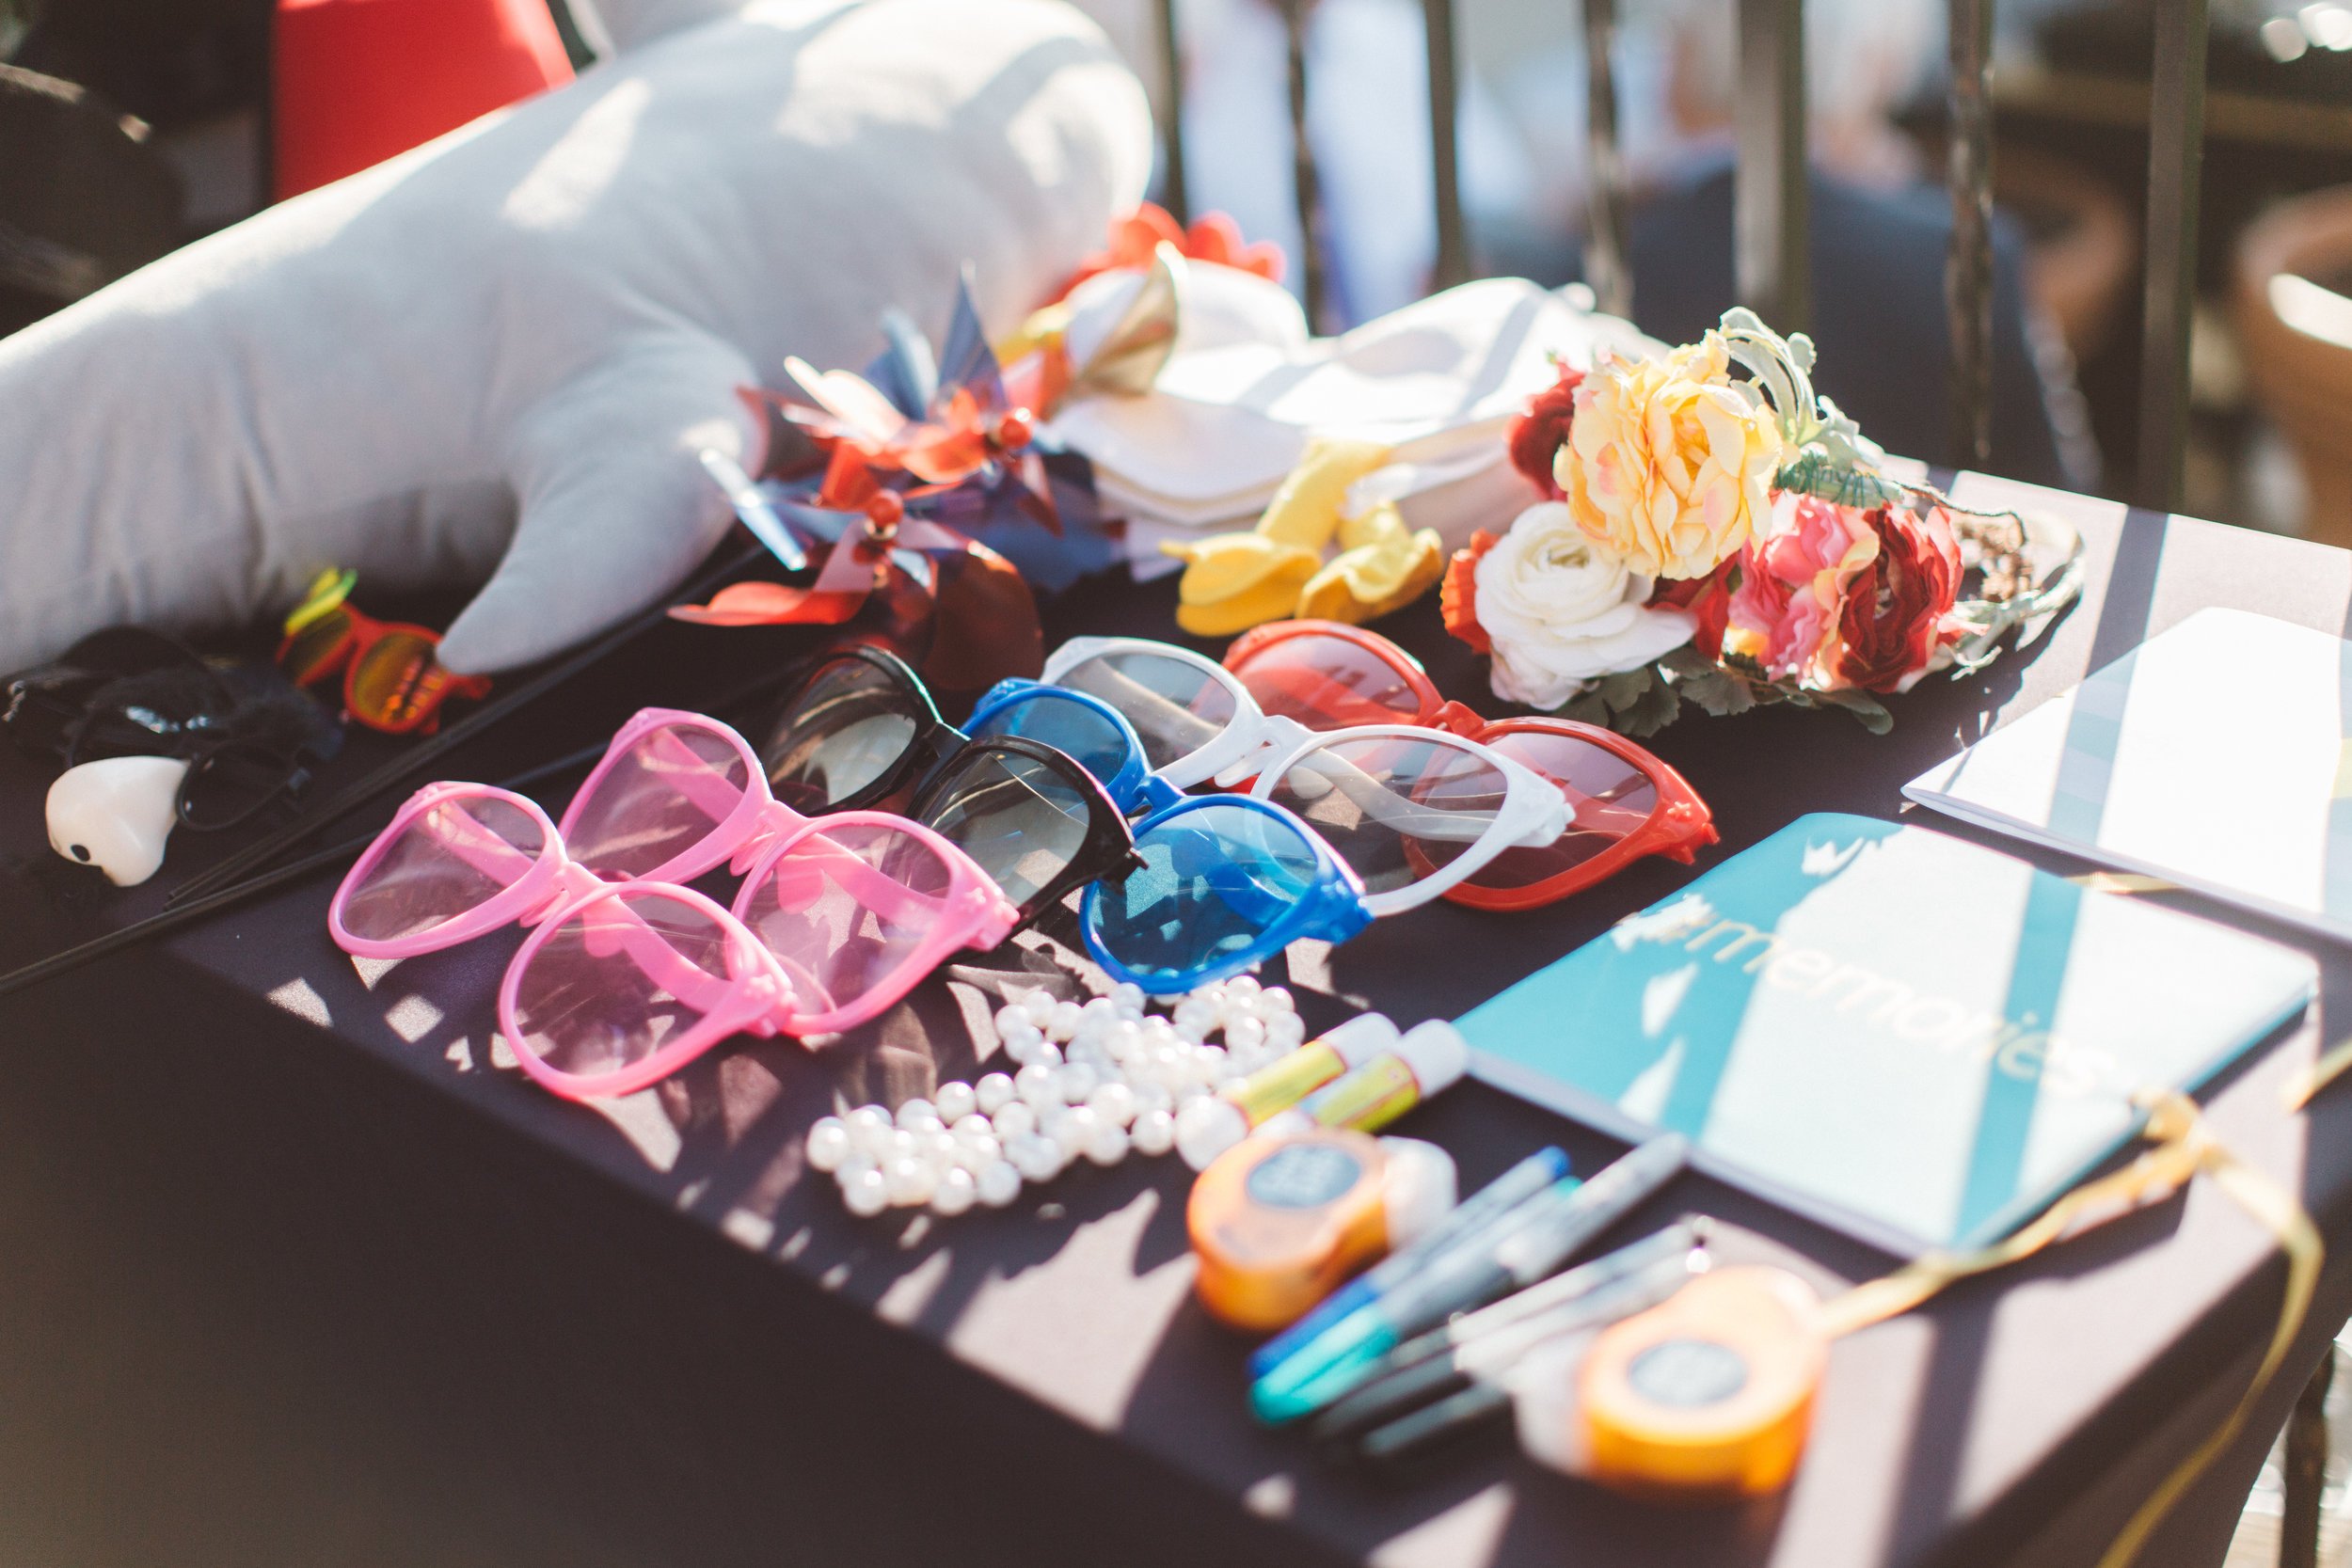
[1783, 616]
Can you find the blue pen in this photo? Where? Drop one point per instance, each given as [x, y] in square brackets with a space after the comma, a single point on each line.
[1489, 1204]
[1541, 1236]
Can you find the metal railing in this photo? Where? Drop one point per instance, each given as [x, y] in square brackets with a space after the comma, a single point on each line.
[1769, 203]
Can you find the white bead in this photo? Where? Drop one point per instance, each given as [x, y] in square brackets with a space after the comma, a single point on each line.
[1123, 1040]
[992, 1093]
[900, 1145]
[1039, 1005]
[1054, 1122]
[941, 1150]
[1035, 1158]
[1242, 988]
[1275, 999]
[869, 1130]
[977, 1154]
[1190, 1092]
[1075, 1082]
[910, 1182]
[955, 1192]
[1015, 1119]
[1012, 1019]
[1287, 1030]
[1088, 1050]
[1046, 1056]
[1098, 1007]
[970, 1127]
[1244, 1034]
[1074, 1131]
[1194, 1019]
[1114, 1103]
[914, 1112]
[828, 1144]
[1107, 1144]
[866, 1190]
[1151, 1097]
[1063, 1022]
[998, 1184]
[1128, 997]
[1154, 1132]
[1211, 1064]
[952, 1102]
[924, 1126]
[1038, 1085]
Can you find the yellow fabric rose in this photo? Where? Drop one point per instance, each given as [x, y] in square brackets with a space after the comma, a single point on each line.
[1668, 464]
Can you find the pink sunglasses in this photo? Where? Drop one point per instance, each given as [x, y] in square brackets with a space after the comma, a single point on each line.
[628, 976]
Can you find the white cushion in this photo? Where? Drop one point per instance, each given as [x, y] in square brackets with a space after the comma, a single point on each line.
[548, 310]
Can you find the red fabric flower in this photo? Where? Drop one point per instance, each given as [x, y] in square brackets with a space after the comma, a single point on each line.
[1537, 435]
[1458, 596]
[1214, 238]
[1708, 597]
[1896, 615]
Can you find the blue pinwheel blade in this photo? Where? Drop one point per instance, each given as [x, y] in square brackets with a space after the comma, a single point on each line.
[753, 509]
[966, 360]
[904, 371]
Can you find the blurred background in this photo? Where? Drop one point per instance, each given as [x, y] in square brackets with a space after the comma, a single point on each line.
[153, 121]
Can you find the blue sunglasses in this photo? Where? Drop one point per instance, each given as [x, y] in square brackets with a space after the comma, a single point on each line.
[1225, 883]
[1083, 727]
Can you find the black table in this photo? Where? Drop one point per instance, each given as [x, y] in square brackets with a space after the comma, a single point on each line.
[292, 1268]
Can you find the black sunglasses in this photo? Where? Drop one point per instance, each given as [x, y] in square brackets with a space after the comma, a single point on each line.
[859, 731]
[1036, 822]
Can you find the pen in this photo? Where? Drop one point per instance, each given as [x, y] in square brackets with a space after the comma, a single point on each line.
[1467, 1222]
[1543, 1234]
[1446, 1361]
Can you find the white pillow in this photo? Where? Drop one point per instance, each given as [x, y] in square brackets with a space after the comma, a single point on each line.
[550, 308]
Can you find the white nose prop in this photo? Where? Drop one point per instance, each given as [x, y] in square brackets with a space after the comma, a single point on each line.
[117, 813]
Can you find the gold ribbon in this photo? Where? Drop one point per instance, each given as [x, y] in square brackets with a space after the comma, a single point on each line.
[2183, 1147]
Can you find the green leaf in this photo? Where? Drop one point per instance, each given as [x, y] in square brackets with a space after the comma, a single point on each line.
[1867, 709]
[1719, 692]
[1659, 706]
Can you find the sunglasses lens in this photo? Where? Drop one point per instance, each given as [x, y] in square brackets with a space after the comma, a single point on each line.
[397, 685]
[1085, 735]
[843, 730]
[1328, 682]
[1176, 707]
[1213, 880]
[620, 977]
[846, 911]
[448, 859]
[1612, 799]
[657, 796]
[1022, 821]
[1395, 809]
[311, 656]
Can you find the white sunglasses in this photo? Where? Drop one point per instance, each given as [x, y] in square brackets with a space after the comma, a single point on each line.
[1198, 722]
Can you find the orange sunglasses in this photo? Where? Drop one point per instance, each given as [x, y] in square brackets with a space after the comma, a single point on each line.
[392, 676]
[1327, 674]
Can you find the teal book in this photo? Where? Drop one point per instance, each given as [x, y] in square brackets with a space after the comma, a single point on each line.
[1911, 1039]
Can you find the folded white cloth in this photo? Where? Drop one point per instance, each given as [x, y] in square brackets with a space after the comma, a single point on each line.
[549, 310]
[1440, 381]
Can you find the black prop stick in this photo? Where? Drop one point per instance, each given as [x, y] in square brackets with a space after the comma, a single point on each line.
[362, 790]
[189, 911]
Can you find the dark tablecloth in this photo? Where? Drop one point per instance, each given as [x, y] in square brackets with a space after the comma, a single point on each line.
[294, 1267]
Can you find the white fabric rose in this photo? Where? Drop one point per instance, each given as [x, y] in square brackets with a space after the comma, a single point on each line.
[1562, 609]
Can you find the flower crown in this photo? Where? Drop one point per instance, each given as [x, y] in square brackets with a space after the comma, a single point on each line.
[1732, 542]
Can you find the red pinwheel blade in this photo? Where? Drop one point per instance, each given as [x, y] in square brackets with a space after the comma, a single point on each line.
[771, 604]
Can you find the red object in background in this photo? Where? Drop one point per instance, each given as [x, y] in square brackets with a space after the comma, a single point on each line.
[357, 81]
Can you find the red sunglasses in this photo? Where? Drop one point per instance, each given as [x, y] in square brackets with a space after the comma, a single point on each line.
[1327, 675]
